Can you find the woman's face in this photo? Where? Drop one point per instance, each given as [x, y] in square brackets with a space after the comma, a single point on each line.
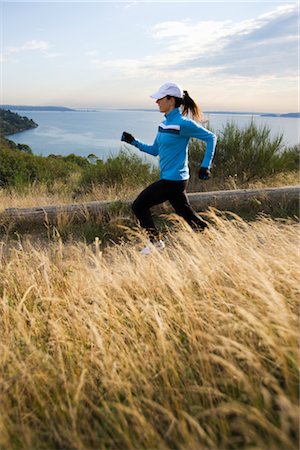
[166, 104]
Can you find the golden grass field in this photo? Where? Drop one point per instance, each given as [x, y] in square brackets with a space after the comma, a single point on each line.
[195, 347]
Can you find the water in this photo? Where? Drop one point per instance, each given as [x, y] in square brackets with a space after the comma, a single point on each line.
[83, 132]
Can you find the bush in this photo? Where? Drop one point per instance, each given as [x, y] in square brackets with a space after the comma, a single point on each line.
[125, 169]
[247, 153]
[244, 155]
[18, 169]
[290, 158]
[24, 148]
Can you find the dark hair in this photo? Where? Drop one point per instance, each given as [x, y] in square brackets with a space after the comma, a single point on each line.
[188, 106]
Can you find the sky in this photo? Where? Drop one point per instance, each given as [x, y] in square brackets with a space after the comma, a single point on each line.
[229, 56]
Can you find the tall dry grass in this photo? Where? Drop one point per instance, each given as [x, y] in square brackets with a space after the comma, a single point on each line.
[191, 348]
[40, 194]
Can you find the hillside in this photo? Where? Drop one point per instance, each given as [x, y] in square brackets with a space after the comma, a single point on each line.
[35, 108]
[294, 115]
[11, 122]
[194, 347]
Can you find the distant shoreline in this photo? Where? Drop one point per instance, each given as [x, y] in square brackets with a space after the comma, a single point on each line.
[66, 109]
[35, 108]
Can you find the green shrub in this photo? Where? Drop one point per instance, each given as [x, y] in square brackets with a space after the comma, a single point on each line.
[290, 158]
[24, 148]
[124, 169]
[246, 153]
[18, 168]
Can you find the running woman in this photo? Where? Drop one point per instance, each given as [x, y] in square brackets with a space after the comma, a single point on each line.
[171, 145]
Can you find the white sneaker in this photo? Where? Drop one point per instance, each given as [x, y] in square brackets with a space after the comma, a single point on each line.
[150, 247]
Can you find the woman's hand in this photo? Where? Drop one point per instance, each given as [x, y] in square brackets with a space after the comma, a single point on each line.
[204, 173]
[127, 137]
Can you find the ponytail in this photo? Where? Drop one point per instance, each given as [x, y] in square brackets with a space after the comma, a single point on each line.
[188, 107]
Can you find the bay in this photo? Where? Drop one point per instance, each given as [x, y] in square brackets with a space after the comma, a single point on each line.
[99, 132]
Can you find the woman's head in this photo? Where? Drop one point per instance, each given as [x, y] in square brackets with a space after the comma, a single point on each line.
[171, 95]
[171, 89]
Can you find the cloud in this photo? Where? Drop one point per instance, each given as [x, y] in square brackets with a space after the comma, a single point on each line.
[28, 46]
[52, 55]
[92, 52]
[187, 39]
[266, 46]
[128, 5]
[128, 67]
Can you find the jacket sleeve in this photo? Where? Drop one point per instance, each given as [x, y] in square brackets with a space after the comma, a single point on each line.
[192, 129]
[150, 149]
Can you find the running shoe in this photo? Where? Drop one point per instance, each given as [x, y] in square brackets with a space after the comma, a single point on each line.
[150, 247]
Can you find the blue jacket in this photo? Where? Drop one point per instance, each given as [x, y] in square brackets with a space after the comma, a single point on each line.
[171, 145]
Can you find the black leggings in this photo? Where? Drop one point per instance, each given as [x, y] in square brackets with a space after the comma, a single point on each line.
[159, 192]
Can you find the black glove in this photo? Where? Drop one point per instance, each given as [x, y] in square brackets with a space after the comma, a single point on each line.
[204, 173]
[126, 137]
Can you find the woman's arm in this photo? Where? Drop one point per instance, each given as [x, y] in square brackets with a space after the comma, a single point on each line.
[150, 149]
[192, 129]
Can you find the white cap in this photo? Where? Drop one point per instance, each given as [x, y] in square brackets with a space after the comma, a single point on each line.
[172, 89]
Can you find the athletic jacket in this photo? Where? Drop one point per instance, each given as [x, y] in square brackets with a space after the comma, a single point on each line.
[171, 145]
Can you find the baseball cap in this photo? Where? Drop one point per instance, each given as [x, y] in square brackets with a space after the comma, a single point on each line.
[169, 88]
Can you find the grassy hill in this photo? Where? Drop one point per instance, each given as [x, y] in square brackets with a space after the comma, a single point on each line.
[195, 347]
[11, 123]
[35, 108]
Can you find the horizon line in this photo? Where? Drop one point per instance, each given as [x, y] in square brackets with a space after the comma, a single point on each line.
[94, 108]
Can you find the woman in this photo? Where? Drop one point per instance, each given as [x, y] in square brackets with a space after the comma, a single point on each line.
[171, 145]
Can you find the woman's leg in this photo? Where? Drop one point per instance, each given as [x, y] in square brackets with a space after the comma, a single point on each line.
[154, 194]
[180, 202]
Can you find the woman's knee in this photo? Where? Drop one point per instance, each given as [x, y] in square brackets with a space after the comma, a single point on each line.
[137, 207]
[134, 207]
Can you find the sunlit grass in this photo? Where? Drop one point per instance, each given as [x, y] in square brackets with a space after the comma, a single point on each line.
[60, 193]
[194, 347]
[39, 194]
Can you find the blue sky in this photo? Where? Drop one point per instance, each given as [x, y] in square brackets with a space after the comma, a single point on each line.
[237, 56]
